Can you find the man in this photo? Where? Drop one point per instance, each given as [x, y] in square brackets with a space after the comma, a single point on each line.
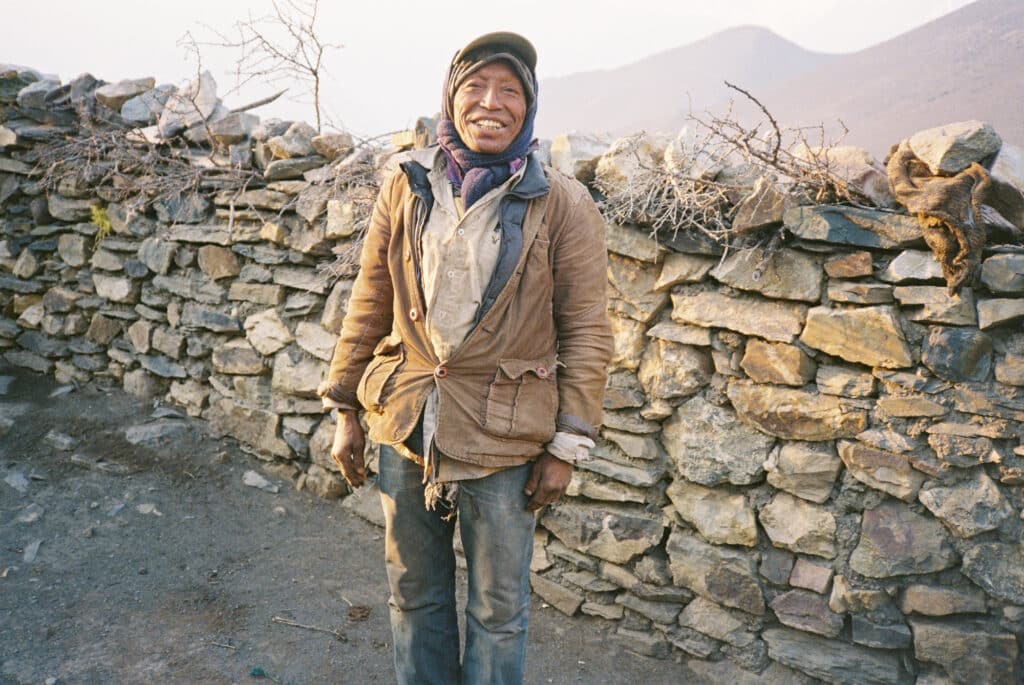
[477, 342]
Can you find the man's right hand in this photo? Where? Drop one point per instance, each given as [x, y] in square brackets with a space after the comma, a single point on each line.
[347, 451]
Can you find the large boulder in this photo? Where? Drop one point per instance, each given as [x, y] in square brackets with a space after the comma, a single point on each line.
[951, 148]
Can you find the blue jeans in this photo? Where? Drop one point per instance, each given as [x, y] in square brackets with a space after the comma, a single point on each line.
[497, 535]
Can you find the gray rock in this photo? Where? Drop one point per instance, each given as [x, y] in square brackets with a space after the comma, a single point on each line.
[912, 266]
[613, 532]
[969, 651]
[114, 95]
[997, 568]
[315, 340]
[68, 209]
[710, 446]
[18, 481]
[930, 600]
[157, 254]
[833, 661]
[853, 226]
[951, 148]
[777, 363]
[720, 574]
[115, 288]
[255, 427]
[234, 128]
[963, 451]
[60, 441]
[784, 274]
[996, 312]
[557, 595]
[237, 357]
[295, 167]
[258, 481]
[29, 360]
[296, 374]
[933, 304]
[811, 576]
[957, 354]
[145, 108]
[852, 265]
[894, 541]
[723, 624]
[642, 642]
[796, 414]
[804, 469]
[163, 367]
[294, 142]
[891, 473]
[42, 345]
[867, 335]
[267, 332]
[638, 474]
[188, 106]
[775, 321]
[720, 517]
[859, 292]
[807, 611]
[662, 613]
[204, 317]
[332, 145]
[969, 507]
[301, 279]
[683, 268]
[577, 155]
[634, 242]
[880, 636]
[845, 597]
[190, 208]
[194, 286]
[33, 96]
[763, 207]
[168, 342]
[154, 432]
[1004, 273]
[102, 329]
[799, 526]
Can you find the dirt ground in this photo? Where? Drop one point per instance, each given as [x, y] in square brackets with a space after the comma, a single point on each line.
[155, 563]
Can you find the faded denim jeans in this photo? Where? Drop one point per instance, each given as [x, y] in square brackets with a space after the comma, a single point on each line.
[497, 535]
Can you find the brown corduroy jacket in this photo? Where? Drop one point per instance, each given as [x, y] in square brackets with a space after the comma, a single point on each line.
[537, 357]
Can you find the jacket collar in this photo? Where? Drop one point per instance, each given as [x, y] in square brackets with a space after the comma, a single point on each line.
[532, 184]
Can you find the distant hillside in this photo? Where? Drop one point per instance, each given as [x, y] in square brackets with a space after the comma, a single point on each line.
[655, 93]
[966, 65]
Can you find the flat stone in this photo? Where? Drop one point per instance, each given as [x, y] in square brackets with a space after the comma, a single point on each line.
[720, 517]
[811, 576]
[867, 335]
[194, 286]
[795, 414]
[632, 241]
[1010, 370]
[859, 292]
[680, 333]
[852, 265]
[957, 354]
[71, 248]
[1004, 273]
[933, 304]
[115, 288]
[777, 363]
[169, 342]
[254, 427]
[782, 274]
[631, 288]
[683, 268]
[217, 262]
[917, 382]
[102, 329]
[628, 343]
[644, 447]
[315, 340]
[834, 661]
[775, 321]
[107, 261]
[29, 360]
[643, 643]
[237, 357]
[931, 600]
[891, 473]
[638, 474]
[720, 574]
[968, 507]
[557, 595]
[969, 651]
[844, 381]
[963, 451]
[68, 209]
[592, 486]
[212, 234]
[33, 96]
[43, 345]
[662, 613]
[257, 293]
[147, 433]
[888, 440]
[951, 148]
[853, 226]
[669, 370]
[610, 612]
[708, 445]
[776, 565]
[996, 312]
[799, 526]
[295, 167]
[847, 598]
[114, 95]
[909, 407]
[197, 316]
[613, 532]
[146, 107]
[912, 266]
[267, 331]
[894, 541]
[190, 394]
[157, 254]
[880, 636]
[807, 611]
[336, 307]
[296, 374]
[300, 279]
[715, 621]
[807, 470]
[996, 568]
[189, 105]
[163, 367]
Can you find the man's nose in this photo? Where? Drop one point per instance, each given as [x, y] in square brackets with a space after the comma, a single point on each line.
[490, 98]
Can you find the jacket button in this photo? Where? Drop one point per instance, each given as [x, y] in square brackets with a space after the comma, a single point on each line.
[414, 315]
[441, 371]
[542, 372]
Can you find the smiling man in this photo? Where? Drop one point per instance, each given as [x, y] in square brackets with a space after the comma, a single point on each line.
[477, 342]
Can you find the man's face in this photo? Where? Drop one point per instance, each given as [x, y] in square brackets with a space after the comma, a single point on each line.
[489, 108]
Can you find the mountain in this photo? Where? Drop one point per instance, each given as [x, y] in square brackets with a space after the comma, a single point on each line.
[656, 92]
[965, 65]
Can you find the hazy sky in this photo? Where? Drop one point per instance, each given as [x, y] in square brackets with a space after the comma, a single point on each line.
[395, 51]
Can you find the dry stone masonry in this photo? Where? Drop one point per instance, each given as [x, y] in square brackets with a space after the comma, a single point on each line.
[812, 458]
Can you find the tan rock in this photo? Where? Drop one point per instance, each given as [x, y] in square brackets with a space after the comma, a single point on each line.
[868, 335]
[763, 207]
[852, 265]
[257, 293]
[795, 414]
[254, 427]
[669, 370]
[847, 598]
[807, 470]
[237, 357]
[267, 332]
[933, 304]
[912, 265]
[297, 374]
[783, 274]
[681, 333]
[315, 340]
[844, 381]
[794, 524]
[720, 517]
[931, 600]
[776, 321]
[101, 329]
[634, 242]
[139, 333]
[907, 407]
[115, 288]
[713, 620]
[629, 342]
[721, 574]
[631, 288]
[777, 363]
[895, 541]
[885, 471]
[811, 575]
[997, 312]
[1010, 370]
[218, 262]
[859, 292]
[969, 507]
[683, 268]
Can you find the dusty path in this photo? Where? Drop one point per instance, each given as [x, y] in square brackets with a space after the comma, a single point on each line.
[156, 564]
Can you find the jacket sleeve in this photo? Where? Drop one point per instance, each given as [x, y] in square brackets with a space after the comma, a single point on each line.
[370, 308]
[580, 307]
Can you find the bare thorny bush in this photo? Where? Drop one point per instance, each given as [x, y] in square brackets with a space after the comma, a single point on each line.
[715, 165]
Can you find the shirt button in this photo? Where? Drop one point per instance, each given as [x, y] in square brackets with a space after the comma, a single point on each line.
[542, 372]
[413, 314]
[462, 231]
[408, 256]
[441, 371]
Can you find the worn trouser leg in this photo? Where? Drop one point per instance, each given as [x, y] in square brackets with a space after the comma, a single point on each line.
[497, 535]
[421, 572]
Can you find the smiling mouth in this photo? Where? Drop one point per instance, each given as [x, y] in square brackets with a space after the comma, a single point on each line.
[489, 124]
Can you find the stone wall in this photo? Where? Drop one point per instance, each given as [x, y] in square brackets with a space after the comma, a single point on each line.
[811, 460]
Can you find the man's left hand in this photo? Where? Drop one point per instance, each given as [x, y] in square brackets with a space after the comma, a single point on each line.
[548, 481]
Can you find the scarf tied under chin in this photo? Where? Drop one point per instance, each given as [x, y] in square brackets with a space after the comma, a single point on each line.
[476, 173]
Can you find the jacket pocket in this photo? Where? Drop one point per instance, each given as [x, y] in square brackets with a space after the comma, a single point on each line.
[522, 401]
[374, 386]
